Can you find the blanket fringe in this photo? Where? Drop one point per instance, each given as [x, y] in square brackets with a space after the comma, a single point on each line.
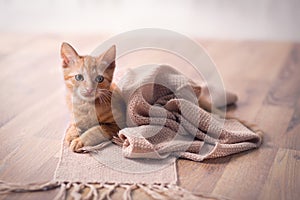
[95, 191]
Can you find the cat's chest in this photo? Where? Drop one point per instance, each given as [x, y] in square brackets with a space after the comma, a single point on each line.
[87, 115]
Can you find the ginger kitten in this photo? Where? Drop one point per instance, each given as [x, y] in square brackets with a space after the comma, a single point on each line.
[89, 90]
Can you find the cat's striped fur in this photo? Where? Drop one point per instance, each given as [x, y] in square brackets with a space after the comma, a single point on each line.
[88, 100]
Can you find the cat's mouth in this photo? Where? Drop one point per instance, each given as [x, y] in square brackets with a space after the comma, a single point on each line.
[102, 94]
[87, 96]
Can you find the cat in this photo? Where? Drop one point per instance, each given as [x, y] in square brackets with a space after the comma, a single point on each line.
[89, 86]
[89, 93]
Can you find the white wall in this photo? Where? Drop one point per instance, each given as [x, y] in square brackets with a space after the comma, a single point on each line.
[226, 19]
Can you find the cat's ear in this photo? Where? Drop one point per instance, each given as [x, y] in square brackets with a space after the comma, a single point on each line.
[110, 54]
[68, 54]
[109, 57]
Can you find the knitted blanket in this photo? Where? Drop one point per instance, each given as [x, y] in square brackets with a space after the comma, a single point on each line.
[164, 119]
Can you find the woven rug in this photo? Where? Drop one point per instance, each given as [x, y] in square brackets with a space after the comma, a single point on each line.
[149, 173]
[160, 129]
[78, 172]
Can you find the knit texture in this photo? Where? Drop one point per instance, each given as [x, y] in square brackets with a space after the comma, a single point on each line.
[164, 119]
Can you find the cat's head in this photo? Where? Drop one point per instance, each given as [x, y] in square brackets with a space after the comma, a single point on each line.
[88, 77]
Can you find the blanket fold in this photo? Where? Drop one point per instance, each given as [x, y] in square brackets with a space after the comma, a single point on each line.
[164, 118]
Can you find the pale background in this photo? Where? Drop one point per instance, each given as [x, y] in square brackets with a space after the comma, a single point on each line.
[221, 19]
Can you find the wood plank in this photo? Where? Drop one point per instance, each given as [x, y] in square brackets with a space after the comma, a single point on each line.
[246, 173]
[16, 168]
[283, 181]
[248, 68]
[33, 121]
[32, 137]
[30, 56]
[257, 60]
[286, 90]
[26, 78]
[292, 136]
[29, 196]
[241, 180]
[12, 42]
[201, 178]
[274, 121]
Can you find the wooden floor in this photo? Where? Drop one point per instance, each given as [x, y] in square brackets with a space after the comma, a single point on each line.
[265, 75]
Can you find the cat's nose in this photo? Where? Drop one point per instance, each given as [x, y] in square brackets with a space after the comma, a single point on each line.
[89, 90]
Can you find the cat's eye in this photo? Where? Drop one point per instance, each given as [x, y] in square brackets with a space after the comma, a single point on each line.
[79, 77]
[99, 79]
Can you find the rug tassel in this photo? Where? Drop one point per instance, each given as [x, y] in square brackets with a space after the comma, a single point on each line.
[149, 190]
[156, 191]
[110, 190]
[93, 193]
[8, 188]
[128, 191]
[62, 194]
[76, 192]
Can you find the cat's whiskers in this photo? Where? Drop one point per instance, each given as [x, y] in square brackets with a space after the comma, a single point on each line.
[104, 95]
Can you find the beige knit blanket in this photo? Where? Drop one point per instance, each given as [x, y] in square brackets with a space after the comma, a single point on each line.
[164, 119]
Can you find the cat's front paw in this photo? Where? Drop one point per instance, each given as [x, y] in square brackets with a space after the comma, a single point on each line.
[76, 145]
[72, 133]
